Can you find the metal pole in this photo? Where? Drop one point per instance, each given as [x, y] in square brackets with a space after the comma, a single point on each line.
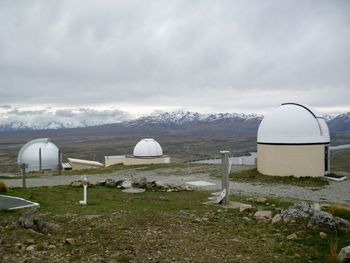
[225, 176]
[40, 164]
[23, 170]
[59, 162]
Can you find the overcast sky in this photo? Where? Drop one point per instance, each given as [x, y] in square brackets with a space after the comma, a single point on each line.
[207, 56]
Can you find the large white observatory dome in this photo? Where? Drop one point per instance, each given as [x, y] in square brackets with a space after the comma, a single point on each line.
[148, 148]
[30, 152]
[293, 123]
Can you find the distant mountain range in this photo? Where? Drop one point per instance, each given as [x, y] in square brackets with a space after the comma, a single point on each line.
[179, 121]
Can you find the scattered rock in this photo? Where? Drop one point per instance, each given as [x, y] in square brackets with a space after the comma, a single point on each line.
[245, 207]
[89, 217]
[323, 235]
[185, 187]
[134, 190]
[246, 218]
[277, 218]
[292, 237]
[261, 200]
[344, 254]
[30, 248]
[31, 219]
[160, 184]
[126, 184]
[139, 182]
[78, 183]
[52, 247]
[262, 215]
[70, 241]
[110, 183]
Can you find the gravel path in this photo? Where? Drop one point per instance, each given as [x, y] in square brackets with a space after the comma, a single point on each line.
[338, 192]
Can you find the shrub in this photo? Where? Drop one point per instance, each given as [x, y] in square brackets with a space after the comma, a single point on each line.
[3, 188]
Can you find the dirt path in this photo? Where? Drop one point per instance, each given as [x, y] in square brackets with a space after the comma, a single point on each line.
[338, 192]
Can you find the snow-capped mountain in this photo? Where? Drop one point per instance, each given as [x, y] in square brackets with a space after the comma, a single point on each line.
[174, 119]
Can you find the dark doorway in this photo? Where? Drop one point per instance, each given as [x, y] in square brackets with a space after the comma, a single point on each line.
[326, 159]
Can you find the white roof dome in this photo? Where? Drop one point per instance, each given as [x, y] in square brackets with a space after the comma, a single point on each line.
[147, 148]
[29, 155]
[292, 123]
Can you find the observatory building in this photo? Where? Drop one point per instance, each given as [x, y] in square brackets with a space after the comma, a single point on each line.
[39, 154]
[146, 151]
[293, 140]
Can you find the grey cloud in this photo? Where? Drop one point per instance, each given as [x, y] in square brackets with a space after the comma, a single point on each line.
[220, 55]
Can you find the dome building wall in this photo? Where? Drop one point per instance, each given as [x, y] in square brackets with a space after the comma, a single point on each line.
[31, 151]
[146, 151]
[293, 140]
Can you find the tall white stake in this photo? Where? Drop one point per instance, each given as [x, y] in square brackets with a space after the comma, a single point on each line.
[84, 179]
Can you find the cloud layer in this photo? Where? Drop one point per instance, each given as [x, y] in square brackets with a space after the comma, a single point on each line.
[203, 55]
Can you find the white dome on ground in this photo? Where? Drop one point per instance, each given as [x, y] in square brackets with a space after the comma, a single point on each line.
[148, 148]
[29, 155]
[292, 123]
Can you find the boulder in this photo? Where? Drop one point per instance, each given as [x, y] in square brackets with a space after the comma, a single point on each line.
[263, 215]
[110, 183]
[127, 184]
[245, 207]
[277, 218]
[342, 224]
[160, 184]
[344, 254]
[31, 220]
[292, 237]
[298, 212]
[261, 200]
[323, 235]
[324, 221]
[139, 182]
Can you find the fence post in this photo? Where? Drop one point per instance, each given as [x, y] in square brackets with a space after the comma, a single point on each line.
[225, 176]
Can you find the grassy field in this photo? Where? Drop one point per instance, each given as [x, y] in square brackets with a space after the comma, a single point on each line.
[154, 227]
[253, 176]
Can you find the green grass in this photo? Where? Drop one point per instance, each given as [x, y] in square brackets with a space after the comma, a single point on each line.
[156, 227]
[253, 176]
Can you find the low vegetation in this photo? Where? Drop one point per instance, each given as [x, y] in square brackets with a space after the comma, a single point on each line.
[340, 210]
[253, 176]
[3, 188]
[154, 227]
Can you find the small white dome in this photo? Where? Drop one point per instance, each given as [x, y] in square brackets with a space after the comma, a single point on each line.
[293, 123]
[29, 155]
[148, 148]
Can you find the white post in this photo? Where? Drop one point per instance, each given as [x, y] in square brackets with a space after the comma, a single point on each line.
[84, 202]
[225, 176]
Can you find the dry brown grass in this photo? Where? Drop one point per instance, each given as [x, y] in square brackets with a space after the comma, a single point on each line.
[333, 256]
[3, 187]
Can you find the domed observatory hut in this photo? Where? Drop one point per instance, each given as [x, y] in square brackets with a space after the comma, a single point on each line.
[293, 140]
[146, 151]
[39, 154]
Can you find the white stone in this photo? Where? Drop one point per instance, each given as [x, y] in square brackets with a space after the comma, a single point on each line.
[262, 215]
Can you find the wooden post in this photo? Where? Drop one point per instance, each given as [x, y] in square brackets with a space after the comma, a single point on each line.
[40, 163]
[225, 176]
[23, 170]
[60, 168]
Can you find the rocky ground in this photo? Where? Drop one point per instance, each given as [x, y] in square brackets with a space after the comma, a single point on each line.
[161, 226]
